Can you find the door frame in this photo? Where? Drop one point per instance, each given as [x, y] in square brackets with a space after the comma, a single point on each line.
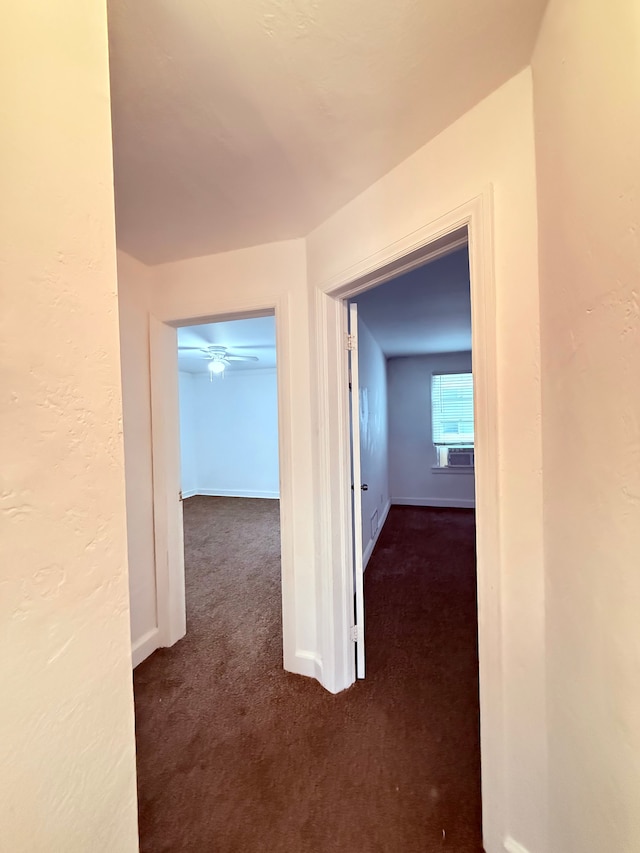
[165, 441]
[472, 223]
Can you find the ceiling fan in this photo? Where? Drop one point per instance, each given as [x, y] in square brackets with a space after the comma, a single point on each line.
[218, 356]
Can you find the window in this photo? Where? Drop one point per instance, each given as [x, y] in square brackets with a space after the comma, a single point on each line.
[452, 419]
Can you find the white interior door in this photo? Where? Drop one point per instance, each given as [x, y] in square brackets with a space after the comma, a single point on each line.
[357, 486]
[167, 495]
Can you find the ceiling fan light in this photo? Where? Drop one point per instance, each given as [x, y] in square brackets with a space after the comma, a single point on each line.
[216, 367]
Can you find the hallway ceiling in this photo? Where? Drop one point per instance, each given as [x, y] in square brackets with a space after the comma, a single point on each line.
[239, 123]
[427, 310]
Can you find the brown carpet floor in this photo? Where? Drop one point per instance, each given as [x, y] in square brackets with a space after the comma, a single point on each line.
[237, 756]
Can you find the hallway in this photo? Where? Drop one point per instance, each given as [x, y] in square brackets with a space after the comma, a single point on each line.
[237, 756]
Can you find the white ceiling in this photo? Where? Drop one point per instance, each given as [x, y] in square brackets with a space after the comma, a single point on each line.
[427, 310]
[253, 337]
[239, 123]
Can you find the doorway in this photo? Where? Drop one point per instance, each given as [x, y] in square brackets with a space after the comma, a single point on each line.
[411, 403]
[472, 223]
[412, 427]
[228, 403]
[167, 469]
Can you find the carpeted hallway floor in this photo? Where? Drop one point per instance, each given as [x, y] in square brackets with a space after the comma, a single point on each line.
[237, 756]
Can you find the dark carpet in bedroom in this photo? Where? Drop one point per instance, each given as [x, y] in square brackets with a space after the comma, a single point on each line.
[237, 756]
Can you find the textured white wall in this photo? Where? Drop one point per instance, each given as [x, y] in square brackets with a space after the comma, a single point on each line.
[188, 434]
[411, 451]
[235, 429]
[587, 96]
[374, 444]
[491, 144]
[67, 764]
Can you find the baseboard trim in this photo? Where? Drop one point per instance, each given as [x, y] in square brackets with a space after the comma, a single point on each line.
[368, 551]
[145, 646]
[237, 493]
[189, 494]
[452, 503]
[512, 846]
[307, 663]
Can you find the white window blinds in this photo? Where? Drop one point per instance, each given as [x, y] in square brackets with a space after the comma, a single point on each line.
[452, 408]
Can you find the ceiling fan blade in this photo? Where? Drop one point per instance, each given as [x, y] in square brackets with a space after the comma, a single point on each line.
[241, 358]
[252, 346]
[202, 349]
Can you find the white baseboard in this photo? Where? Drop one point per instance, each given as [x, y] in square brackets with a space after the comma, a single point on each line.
[512, 846]
[236, 493]
[189, 494]
[368, 551]
[452, 503]
[144, 646]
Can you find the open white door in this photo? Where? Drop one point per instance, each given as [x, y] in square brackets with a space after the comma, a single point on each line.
[357, 486]
[167, 496]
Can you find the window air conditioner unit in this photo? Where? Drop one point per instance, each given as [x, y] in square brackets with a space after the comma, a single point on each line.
[460, 457]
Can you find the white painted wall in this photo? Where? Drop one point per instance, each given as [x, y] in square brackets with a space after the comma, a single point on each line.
[234, 423]
[492, 144]
[189, 459]
[374, 442]
[587, 94]
[67, 763]
[413, 479]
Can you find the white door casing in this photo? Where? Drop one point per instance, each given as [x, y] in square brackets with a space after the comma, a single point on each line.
[168, 521]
